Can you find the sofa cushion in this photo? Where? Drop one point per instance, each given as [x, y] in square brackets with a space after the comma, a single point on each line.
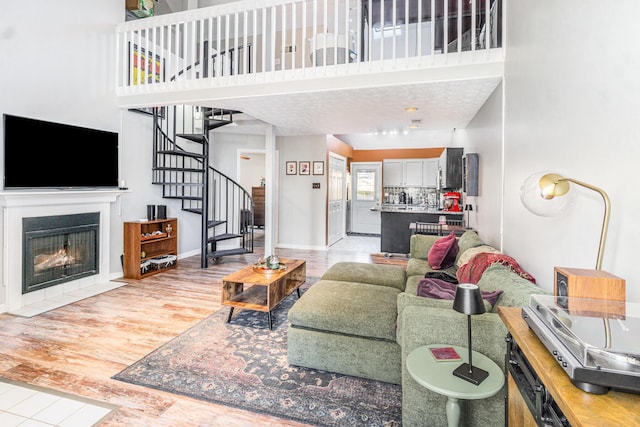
[351, 308]
[517, 290]
[373, 274]
[443, 252]
[469, 239]
[419, 245]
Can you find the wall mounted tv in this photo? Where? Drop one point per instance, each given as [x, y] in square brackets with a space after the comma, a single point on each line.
[41, 154]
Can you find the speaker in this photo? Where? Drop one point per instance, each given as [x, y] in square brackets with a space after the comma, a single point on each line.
[151, 212]
[584, 283]
[162, 211]
[588, 286]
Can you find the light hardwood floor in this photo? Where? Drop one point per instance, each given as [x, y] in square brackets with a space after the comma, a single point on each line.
[77, 348]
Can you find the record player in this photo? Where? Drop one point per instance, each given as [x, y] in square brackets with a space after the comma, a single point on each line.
[595, 341]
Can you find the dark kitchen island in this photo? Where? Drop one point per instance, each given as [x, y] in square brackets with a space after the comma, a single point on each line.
[395, 234]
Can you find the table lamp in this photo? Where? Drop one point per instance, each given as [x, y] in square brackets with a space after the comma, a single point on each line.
[468, 300]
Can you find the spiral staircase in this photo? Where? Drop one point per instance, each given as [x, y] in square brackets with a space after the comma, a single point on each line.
[181, 165]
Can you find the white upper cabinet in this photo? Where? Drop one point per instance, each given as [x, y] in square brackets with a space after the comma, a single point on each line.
[403, 173]
[393, 173]
[430, 173]
[413, 173]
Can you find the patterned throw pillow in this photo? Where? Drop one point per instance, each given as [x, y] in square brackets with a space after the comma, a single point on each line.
[443, 252]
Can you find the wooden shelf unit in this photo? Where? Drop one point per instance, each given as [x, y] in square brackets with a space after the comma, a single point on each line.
[135, 244]
[258, 195]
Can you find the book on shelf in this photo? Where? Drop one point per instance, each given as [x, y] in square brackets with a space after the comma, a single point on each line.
[445, 354]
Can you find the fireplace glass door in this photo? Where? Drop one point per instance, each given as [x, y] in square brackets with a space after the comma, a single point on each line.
[59, 249]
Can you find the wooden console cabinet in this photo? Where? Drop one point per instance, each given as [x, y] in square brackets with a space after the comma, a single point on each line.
[148, 241]
[613, 409]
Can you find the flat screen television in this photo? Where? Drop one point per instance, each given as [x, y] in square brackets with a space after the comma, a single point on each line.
[47, 155]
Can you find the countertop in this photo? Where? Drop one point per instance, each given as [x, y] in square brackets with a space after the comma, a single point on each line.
[412, 209]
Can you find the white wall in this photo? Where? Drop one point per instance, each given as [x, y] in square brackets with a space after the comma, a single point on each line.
[302, 210]
[571, 100]
[484, 136]
[224, 155]
[57, 65]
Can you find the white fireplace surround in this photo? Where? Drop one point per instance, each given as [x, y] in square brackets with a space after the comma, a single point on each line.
[23, 204]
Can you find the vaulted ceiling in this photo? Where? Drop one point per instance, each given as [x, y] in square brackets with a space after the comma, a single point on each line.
[366, 118]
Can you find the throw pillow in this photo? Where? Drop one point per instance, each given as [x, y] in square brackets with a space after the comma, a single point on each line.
[441, 289]
[443, 252]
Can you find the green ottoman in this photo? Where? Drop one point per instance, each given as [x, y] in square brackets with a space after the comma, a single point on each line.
[346, 327]
[374, 274]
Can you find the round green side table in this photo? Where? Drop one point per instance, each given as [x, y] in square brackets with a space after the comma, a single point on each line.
[438, 376]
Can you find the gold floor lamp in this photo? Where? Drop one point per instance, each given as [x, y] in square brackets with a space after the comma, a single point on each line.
[539, 191]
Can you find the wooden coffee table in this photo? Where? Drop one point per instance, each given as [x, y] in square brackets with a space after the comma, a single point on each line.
[264, 291]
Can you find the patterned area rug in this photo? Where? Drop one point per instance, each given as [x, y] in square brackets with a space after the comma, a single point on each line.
[244, 364]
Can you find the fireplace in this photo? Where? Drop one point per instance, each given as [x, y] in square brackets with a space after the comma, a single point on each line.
[58, 249]
[65, 282]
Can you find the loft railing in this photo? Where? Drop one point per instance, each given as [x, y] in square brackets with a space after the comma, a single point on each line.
[265, 40]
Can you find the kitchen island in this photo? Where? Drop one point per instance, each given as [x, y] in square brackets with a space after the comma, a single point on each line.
[395, 233]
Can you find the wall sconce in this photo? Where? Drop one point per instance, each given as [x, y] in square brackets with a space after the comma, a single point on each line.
[468, 300]
[548, 194]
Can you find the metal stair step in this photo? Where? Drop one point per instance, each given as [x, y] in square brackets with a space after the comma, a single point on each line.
[224, 236]
[216, 123]
[182, 153]
[227, 252]
[175, 197]
[178, 184]
[195, 137]
[176, 169]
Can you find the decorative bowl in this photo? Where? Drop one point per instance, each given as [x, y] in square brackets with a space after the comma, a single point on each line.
[261, 267]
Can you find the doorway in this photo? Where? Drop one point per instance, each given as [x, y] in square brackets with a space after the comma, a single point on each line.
[367, 188]
[336, 198]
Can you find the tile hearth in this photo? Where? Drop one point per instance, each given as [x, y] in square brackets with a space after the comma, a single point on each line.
[64, 299]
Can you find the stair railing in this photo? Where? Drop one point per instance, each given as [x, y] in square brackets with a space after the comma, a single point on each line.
[183, 171]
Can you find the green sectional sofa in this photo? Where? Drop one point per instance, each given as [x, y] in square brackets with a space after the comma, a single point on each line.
[364, 319]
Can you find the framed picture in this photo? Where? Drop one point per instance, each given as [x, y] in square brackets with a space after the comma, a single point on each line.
[147, 67]
[318, 168]
[292, 168]
[305, 168]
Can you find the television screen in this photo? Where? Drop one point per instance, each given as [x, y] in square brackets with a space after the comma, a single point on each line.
[41, 154]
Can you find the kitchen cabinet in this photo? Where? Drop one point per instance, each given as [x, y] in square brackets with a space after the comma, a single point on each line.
[450, 164]
[470, 174]
[430, 173]
[402, 173]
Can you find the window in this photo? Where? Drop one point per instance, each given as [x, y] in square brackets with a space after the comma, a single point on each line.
[365, 186]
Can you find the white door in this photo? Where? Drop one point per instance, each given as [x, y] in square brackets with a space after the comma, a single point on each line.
[367, 188]
[337, 198]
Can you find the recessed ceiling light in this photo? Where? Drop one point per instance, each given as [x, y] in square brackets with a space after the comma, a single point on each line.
[411, 109]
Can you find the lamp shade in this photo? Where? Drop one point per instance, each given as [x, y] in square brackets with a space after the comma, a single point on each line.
[468, 299]
[540, 193]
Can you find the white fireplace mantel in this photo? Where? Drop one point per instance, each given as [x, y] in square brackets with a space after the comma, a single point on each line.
[23, 198]
[18, 204]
